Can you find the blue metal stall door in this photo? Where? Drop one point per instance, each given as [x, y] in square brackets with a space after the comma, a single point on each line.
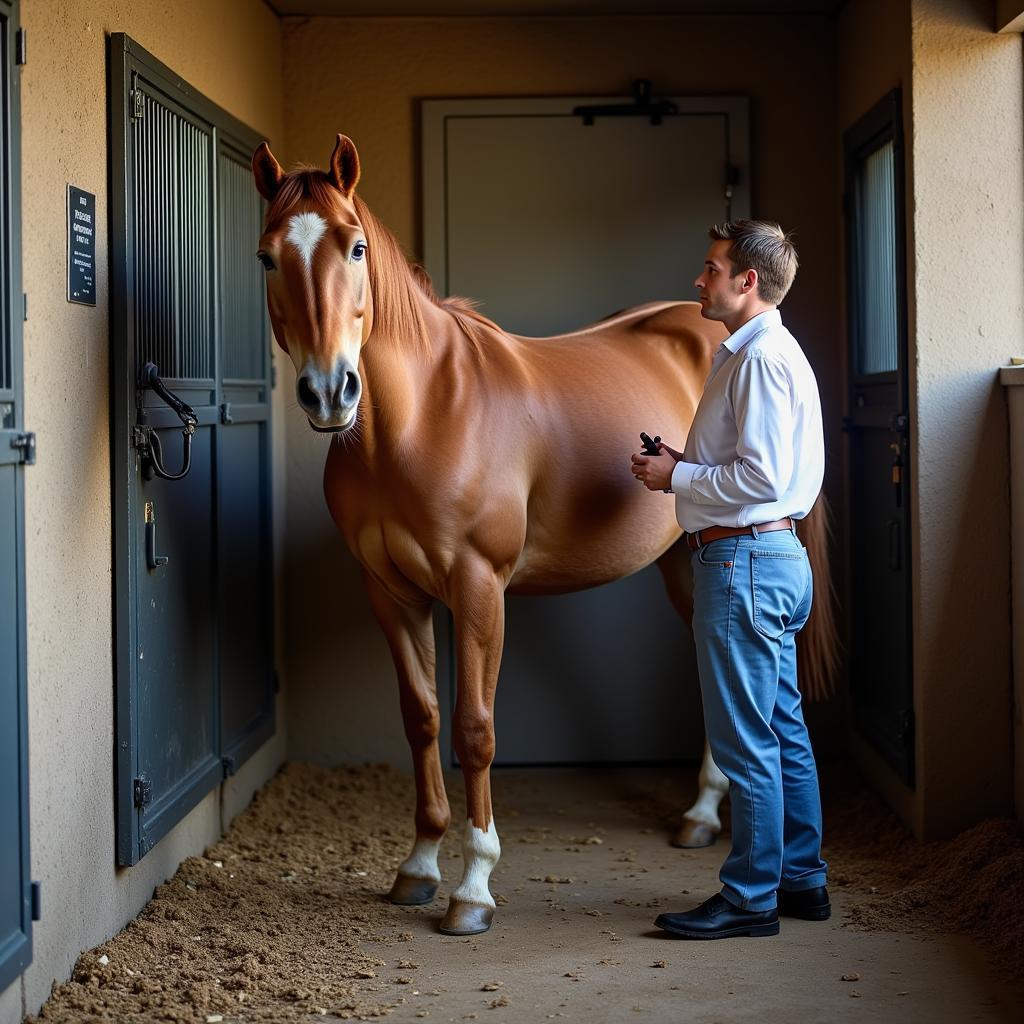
[16, 449]
[193, 549]
[245, 544]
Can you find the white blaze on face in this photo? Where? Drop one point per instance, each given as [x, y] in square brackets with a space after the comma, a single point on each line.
[480, 852]
[304, 232]
[422, 862]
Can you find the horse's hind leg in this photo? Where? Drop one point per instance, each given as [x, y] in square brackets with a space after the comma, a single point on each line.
[700, 825]
[478, 608]
[409, 629]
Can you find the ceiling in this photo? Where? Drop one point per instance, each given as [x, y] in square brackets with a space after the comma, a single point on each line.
[490, 8]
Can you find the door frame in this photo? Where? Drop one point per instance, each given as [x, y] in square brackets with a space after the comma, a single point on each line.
[883, 123]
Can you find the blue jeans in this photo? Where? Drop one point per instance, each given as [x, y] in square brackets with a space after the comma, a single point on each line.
[751, 596]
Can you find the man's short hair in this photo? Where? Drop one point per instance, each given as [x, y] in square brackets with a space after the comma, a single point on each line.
[763, 246]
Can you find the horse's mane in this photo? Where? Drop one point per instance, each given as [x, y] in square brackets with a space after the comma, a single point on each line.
[396, 283]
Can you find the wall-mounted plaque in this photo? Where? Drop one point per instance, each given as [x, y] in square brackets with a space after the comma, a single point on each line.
[81, 246]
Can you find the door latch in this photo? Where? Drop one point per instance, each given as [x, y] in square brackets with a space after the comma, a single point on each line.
[25, 444]
[897, 471]
[153, 560]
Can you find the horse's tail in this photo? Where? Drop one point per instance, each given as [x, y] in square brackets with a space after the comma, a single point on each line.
[818, 641]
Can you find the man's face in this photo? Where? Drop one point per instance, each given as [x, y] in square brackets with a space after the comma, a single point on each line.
[721, 295]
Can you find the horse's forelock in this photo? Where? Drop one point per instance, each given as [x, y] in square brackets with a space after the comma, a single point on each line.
[304, 183]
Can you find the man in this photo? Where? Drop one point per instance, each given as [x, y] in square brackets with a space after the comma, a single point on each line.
[753, 464]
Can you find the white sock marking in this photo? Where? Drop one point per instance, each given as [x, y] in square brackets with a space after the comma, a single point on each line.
[422, 862]
[480, 852]
[304, 232]
[713, 788]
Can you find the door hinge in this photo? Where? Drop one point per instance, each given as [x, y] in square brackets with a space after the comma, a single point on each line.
[228, 763]
[21, 47]
[24, 306]
[898, 422]
[138, 104]
[143, 790]
[26, 445]
[36, 901]
[225, 413]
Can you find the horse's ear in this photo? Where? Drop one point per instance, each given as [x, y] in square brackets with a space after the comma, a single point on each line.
[267, 172]
[345, 165]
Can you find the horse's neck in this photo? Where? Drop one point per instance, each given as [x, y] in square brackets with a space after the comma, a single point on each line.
[396, 375]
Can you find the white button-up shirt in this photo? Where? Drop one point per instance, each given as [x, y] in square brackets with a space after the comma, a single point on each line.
[755, 451]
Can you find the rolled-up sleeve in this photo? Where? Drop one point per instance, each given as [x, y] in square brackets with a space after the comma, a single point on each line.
[762, 395]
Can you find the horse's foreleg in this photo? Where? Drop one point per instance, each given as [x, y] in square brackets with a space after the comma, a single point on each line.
[409, 629]
[478, 607]
[700, 825]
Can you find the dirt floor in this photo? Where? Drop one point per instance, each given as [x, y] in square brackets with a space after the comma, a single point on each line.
[284, 920]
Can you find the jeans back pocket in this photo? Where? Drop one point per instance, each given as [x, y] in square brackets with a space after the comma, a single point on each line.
[778, 581]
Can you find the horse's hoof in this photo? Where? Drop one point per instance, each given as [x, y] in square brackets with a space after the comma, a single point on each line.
[411, 892]
[466, 918]
[692, 835]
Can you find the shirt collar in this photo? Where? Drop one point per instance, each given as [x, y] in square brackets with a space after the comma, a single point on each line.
[756, 324]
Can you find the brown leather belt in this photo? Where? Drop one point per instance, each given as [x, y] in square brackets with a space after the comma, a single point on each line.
[709, 533]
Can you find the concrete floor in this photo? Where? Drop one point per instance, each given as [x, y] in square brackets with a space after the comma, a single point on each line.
[585, 949]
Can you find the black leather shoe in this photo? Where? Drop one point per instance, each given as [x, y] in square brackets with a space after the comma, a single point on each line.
[807, 904]
[717, 918]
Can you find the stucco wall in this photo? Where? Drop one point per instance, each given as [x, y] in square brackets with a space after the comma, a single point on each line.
[969, 285]
[963, 124]
[64, 140]
[364, 77]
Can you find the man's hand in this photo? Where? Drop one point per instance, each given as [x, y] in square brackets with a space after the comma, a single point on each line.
[653, 471]
[678, 456]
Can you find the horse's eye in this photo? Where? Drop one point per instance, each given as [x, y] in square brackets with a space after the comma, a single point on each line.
[265, 259]
[359, 251]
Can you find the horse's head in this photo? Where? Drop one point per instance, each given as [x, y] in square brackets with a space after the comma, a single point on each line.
[314, 250]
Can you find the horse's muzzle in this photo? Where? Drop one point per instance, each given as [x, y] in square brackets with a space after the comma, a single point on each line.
[329, 400]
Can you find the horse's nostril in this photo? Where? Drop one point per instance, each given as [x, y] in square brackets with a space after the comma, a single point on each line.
[307, 396]
[351, 388]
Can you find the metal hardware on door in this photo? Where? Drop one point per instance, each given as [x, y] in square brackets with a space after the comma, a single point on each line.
[148, 441]
[25, 445]
[153, 560]
[895, 560]
[897, 471]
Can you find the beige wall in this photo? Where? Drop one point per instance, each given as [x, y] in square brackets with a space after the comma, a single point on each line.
[365, 77]
[964, 125]
[68, 502]
[968, 245]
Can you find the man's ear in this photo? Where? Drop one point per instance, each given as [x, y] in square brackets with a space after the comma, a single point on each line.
[345, 166]
[267, 172]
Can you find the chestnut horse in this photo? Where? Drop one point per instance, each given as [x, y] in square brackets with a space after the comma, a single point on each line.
[470, 462]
